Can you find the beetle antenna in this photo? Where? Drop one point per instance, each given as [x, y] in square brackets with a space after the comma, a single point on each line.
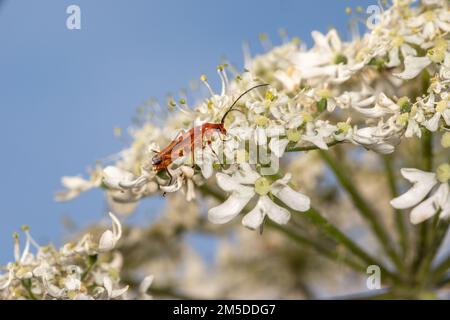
[236, 101]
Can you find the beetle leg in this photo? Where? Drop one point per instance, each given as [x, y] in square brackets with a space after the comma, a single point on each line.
[218, 159]
[261, 227]
[170, 175]
[170, 181]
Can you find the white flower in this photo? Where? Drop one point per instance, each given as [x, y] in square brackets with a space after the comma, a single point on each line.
[9, 277]
[72, 272]
[317, 133]
[110, 291]
[72, 283]
[442, 111]
[430, 22]
[423, 184]
[413, 66]
[145, 285]
[414, 120]
[52, 290]
[243, 186]
[277, 143]
[109, 238]
[75, 186]
[325, 60]
[116, 178]
[399, 46]
[371, 139]
[183, 175]
[382, 107]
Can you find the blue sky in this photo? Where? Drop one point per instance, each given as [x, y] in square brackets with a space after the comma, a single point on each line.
[63, 91]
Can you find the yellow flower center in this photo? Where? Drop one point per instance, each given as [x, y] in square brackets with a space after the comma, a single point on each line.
[324, 93]
[343, 126]
[307, 117]
[429, 15]
[404, 104]
[270, 96]
[262, 186]
[443, 173]
[441, 106]
[402, 119]
[398, 41]
[261, 120]
[437, 53]
[293, 135]
[445, 141]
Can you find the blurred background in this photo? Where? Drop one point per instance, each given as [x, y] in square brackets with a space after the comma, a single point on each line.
[63, 91]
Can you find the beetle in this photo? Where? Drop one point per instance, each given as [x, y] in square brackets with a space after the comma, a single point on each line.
[186, 141]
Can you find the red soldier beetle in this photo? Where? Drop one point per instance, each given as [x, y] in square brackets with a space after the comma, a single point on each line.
[187, 141]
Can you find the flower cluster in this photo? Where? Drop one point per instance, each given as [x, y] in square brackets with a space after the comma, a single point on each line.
[362, 92]
[81, 270]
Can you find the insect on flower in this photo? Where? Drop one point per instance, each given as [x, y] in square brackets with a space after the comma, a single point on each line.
[186, 141]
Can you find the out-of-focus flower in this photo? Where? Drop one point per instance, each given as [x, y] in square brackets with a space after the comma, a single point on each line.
[78, 271]
[109, 238]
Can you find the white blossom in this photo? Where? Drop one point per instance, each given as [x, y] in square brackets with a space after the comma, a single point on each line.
[423, 184]
[243, 186]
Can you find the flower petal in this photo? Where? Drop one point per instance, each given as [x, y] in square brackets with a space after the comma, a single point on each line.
[226, 182]
[113, 176]
[145, 284]
[423, 211]
[293, 199]
[423, 183]
[432, 124]
[229, 209]
[107, 241]
[246, 175]
[107, 283]
[275, 212]
[278, 146]
[117, 227]
[255, 217]
[445, 213]
[118, 292]
[413, 66]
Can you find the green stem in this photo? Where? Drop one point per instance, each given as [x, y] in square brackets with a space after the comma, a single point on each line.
[311, 147]
[427, 150]
[27, 285]
[294, 235]
[441, 269]
[332, 255]
[169, 292]
[328, 229]
[424, 228]
[399, 217]
[380, 294]
[341, 238]
[91, 261]
[338, 236]
[363, 207]
[439, 233]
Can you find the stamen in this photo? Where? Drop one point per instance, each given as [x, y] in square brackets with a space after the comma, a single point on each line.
[16, 246]
[265, 41]
[26, 250]
[223, 78]
[32, 241]
[283, 35]
[205, 81]
[247, 55]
